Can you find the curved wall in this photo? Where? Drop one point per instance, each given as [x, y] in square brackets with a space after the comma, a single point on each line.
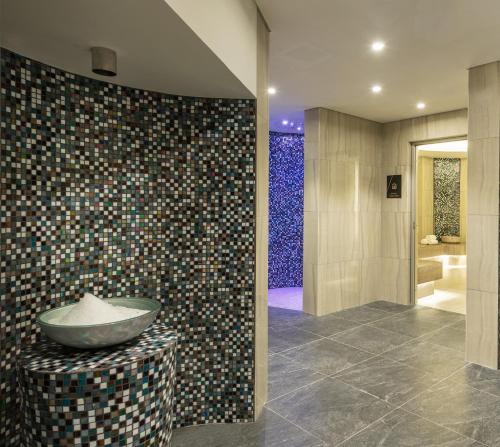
[126, 192]
[286, 209]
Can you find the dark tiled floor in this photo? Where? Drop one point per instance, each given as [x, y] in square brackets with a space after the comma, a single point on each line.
[379, 375]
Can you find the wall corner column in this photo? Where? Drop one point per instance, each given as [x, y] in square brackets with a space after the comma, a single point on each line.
[342, 211]
[483, 215]
[262, 215]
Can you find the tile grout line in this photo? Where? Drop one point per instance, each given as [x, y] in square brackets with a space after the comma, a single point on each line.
[339, 332]
[389, 314]
[299, 388]
[373, 356]
[399, 407]
[298, 426]
[404, 343]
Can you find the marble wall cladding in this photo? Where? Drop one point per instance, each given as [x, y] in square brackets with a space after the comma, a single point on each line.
[342, 211]
[286, 209]
[262, 217]
[397, 138]
[482, 342]
[446, 198]
[126, 192]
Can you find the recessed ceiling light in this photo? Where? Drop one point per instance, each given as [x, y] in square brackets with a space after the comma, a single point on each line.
[421, 105]
[376, 88]
[284, 122]
[299, 128]
[291, 124]
[378, 46]
[271, 90]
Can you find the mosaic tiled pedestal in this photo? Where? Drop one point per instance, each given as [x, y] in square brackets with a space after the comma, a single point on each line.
[118, 396]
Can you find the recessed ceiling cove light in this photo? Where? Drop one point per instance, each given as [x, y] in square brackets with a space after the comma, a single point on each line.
[376, 88]
[271, 90]
[421, 105]
[284, 122]
[378, 46]
[445, 146]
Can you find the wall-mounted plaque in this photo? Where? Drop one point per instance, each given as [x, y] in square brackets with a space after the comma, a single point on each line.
[393, 186]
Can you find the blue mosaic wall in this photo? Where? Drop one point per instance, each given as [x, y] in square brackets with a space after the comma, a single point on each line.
[286, 209]
[125, 192]
[446, 197]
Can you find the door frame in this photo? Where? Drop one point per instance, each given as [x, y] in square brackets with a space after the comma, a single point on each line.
[413, 207]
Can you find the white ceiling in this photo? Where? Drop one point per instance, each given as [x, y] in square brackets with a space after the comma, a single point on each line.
[320, 54]
[156, 49]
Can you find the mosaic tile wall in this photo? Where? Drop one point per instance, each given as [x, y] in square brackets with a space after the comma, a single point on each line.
[446, 197]
[120, 191]
[286, 209]
[95, 397]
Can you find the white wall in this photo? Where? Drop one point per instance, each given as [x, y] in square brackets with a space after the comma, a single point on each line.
[229, 29]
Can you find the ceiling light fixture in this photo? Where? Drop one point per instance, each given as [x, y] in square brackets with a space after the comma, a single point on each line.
[299, 128]
[421, 105]
[271, 90]
[284, 122]
[378, 46]
[376, 88]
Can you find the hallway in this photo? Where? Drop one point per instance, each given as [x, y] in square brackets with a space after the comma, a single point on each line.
[381, 374]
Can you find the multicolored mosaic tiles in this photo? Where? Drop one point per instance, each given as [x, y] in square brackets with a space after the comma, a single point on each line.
[446, 197]
[121, 396]
[286, 209]
[125, 192]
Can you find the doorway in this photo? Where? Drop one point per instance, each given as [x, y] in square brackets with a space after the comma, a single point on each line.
[439, 225]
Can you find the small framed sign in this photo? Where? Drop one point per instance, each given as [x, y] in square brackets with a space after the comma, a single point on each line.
[393, 186]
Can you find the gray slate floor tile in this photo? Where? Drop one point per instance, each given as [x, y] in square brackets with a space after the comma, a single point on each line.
[387, 306]
[330, 409]
[285, 375]
[459, 326]
[362, 314]
[407, 323]
[479, 377]
[441, 317]
[278, 317]
[449, 337]
[327, 325]
[270, 430]
[371, 339]
[327, 356]
[460, 408]
[390, 381]
[283, 338]
[401, 429]
[439, 362]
